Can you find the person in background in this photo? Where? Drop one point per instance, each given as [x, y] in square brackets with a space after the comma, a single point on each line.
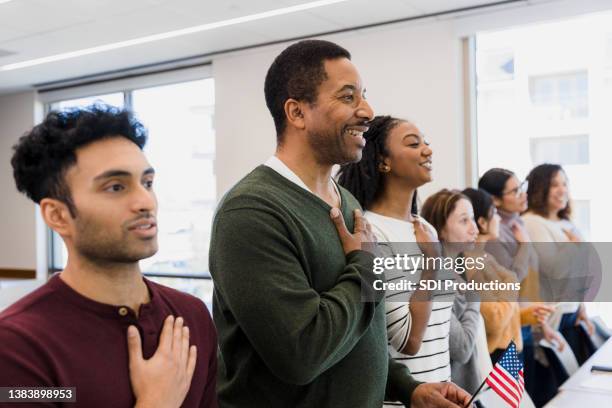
[452, 214]
[512, 249]
[501, 312]
[98, 325]
[547, 220]
[396, 161]
[288, 263]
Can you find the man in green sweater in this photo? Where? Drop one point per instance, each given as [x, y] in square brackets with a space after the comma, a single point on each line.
[289, 274]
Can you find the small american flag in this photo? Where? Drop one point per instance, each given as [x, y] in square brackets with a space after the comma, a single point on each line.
[506, 378]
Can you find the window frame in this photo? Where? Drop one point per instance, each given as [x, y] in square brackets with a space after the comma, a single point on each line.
[126, 86]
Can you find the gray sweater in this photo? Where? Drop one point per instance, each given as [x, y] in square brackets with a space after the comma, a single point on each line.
[463, 332]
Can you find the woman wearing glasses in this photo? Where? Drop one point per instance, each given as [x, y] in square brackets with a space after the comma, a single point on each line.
[509, 196]
[512, 249]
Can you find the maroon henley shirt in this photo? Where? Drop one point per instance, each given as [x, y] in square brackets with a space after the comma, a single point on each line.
[54, 337]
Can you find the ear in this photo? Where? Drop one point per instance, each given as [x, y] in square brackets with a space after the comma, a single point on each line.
[442, 235]
[294, 113]
[383, 164]
[497, 201]
[56, 215]
[483, 223]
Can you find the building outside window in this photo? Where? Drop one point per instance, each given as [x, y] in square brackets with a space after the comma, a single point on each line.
[551, 107]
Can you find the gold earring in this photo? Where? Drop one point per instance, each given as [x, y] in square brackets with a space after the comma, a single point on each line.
[384, 168]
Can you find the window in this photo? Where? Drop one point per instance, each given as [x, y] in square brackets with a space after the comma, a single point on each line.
[561, 96]
[181, 147]
[554, 108]
[113, 99]
[608, 50]
[497, 65]
[565, 150]
[581, 216]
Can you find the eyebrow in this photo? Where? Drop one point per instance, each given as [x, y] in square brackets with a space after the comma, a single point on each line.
[121, 173]
[347, 87]
[413, 135]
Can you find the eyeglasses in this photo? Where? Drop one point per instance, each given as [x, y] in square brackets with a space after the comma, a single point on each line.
[522, 188]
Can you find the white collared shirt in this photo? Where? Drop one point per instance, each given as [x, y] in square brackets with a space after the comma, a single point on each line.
[281, 168]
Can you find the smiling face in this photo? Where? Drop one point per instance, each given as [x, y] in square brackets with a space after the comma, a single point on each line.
[335, 123]
[558, 194]
[112, 189]
[409, 155]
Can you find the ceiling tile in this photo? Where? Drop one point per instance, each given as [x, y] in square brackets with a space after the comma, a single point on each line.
[290, 26]
[7, 34]
[38, 28]
[437, 6]
[360, 12]
[210, 11]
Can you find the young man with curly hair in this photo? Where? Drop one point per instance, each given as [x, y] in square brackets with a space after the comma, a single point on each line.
[99, 326]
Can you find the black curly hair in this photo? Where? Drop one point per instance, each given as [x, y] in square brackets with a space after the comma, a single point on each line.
[364, 179]
[42, 156]
[296, 73]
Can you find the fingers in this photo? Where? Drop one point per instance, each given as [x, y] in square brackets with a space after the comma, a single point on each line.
[456, 394]
[165, 339]
[177, 338]
[338, 220]
[184, 348]
[134, 346]
[590, 327]
[368, 227]
[557, 339]
[360, 221]
[440, 402]
[546, 308]
[561, 343]
[191, 363]
[463, 397]
[445, 395]
[541, 312]
[570, 235]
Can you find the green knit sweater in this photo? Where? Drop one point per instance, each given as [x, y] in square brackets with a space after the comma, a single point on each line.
[293, 331]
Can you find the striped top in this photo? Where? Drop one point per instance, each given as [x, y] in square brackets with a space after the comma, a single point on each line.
[432, 362]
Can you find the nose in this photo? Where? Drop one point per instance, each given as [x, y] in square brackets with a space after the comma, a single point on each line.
[427, 151]
[144, 200]
[365, 110]
[474, 229]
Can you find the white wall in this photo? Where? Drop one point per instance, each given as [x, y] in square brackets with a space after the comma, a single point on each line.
[17, 220]
[412, 71]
